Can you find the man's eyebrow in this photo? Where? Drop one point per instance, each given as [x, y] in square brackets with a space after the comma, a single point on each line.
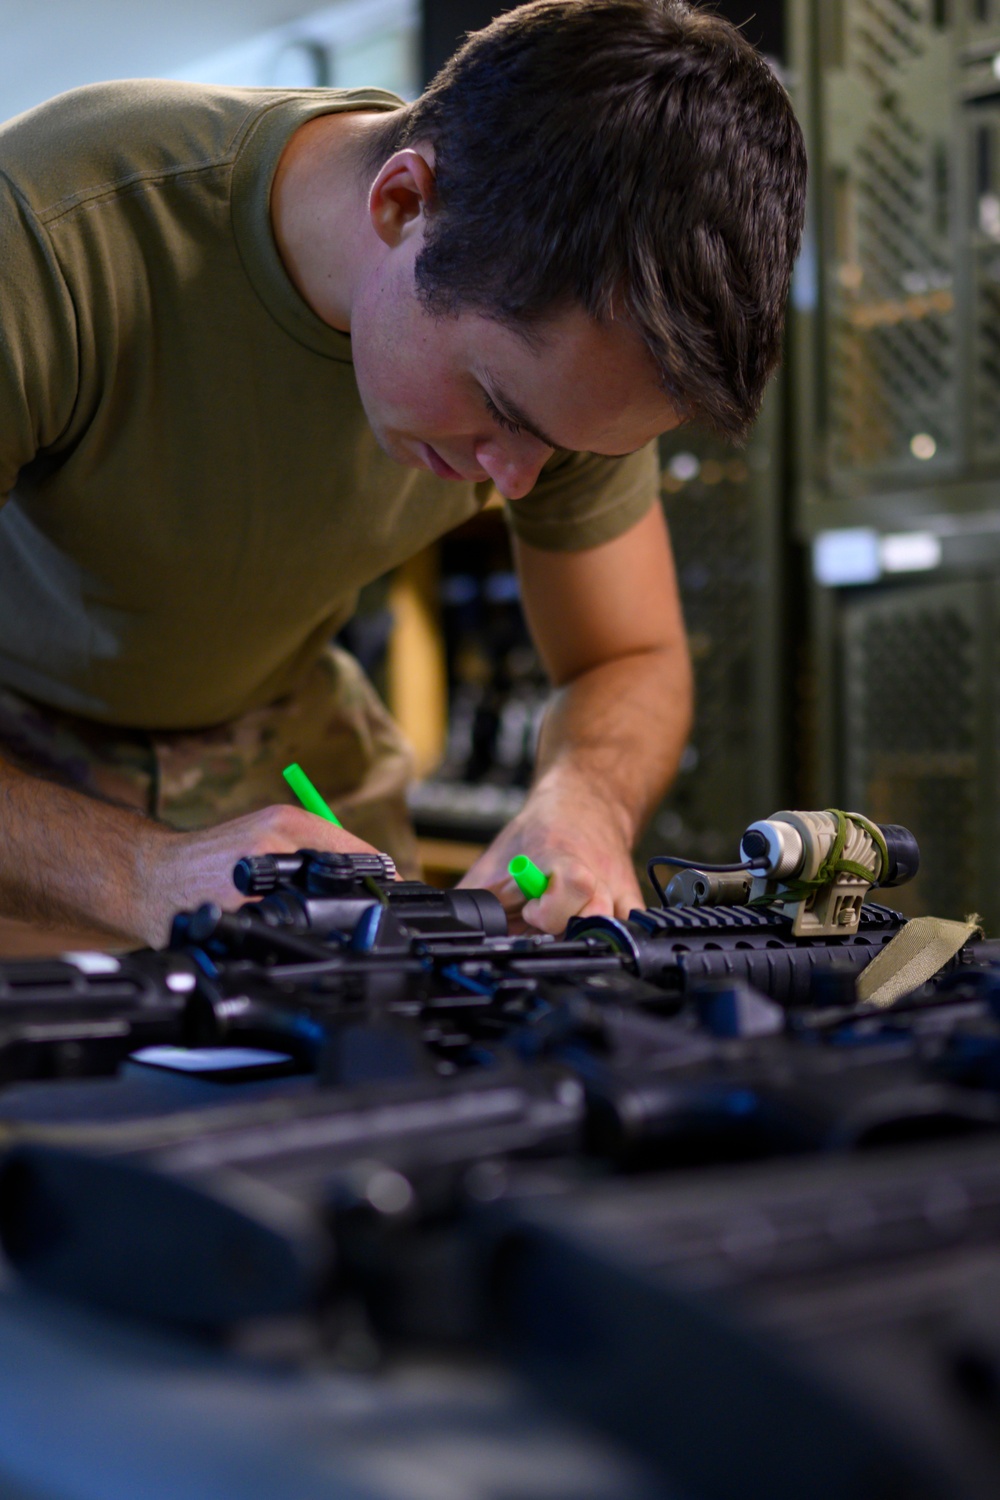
[511, 410]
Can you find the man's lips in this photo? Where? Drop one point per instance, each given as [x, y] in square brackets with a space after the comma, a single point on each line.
[436, 463]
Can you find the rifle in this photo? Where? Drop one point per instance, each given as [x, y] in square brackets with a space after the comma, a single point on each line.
[275, 974]
[82, 1015]
[433, 1055]
[473, 1087]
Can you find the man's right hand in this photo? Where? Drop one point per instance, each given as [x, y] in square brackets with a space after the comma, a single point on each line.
[181, 870]
[70, 860]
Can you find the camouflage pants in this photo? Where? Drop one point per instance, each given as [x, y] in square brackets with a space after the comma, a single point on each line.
[333, 724]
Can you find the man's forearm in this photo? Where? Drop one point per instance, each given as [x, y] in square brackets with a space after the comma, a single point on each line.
[608, 626]
[620, 729]
[68, 858]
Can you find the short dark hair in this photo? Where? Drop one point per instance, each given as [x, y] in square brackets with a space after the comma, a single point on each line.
[635, 157]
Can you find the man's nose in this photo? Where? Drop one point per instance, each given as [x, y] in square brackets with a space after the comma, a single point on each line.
[513, 467]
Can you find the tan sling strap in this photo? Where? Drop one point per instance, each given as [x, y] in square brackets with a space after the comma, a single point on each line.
[917, 952]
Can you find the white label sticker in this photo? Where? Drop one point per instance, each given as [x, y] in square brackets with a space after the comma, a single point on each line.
[93, 963]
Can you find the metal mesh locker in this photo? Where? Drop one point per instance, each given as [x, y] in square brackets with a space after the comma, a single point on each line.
[723, 509]
[918, 726]
[898, 419]
[885, 165]
[979, 20]
[898, 309]
[981, 259]
[985, 362]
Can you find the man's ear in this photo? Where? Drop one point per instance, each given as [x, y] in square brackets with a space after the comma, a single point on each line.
[402, 194]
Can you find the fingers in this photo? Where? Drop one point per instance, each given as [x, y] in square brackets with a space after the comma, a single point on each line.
[628, 900]
[283, 830]
[478, 877]
[572, 889]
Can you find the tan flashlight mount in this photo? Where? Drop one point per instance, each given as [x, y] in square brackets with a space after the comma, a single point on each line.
[818, 867]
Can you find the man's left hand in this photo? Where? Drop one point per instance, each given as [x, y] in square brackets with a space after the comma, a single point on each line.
[575, 841]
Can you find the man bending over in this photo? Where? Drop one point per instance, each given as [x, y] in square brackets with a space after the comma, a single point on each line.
[259, 346]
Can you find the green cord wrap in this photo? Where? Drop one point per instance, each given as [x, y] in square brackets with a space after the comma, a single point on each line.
[834, 865]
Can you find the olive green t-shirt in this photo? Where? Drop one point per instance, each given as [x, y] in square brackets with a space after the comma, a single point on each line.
[195, 495]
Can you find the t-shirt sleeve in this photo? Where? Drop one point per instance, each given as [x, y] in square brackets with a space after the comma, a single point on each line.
[38, 345]
[582, 500]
